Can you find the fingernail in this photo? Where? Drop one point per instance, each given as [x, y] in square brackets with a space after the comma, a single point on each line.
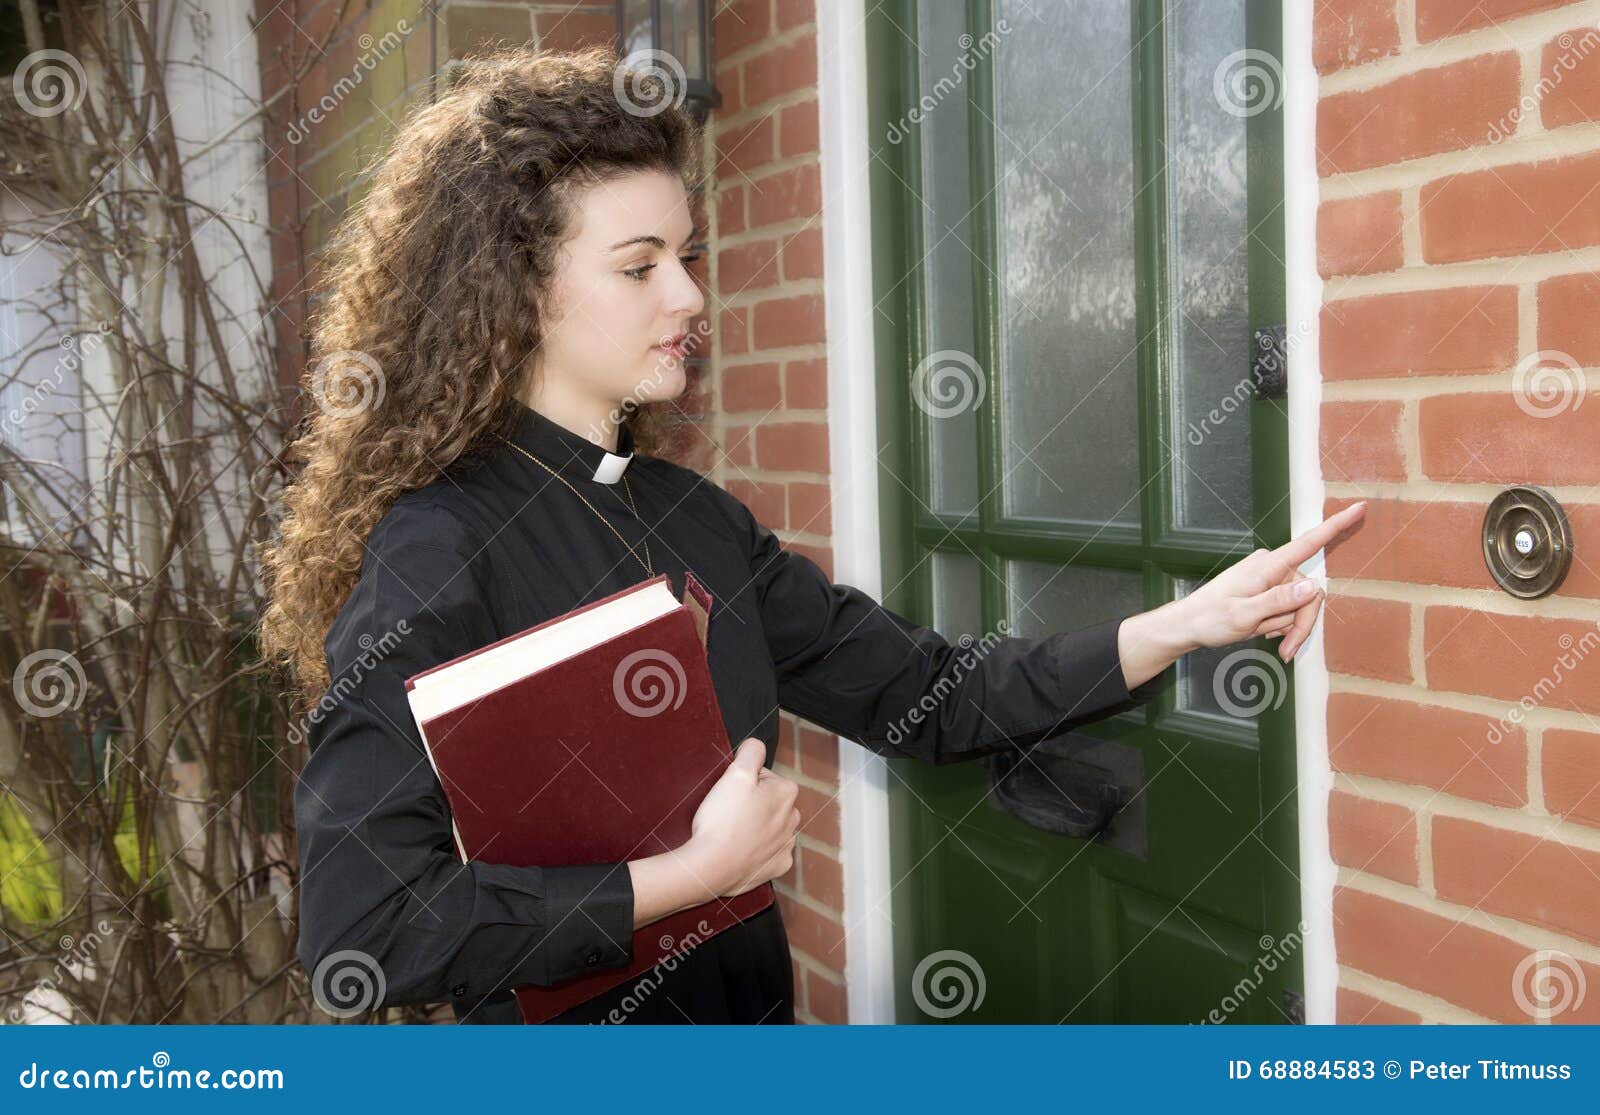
[1304, 589]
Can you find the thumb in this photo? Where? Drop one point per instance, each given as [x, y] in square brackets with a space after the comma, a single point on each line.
[751, 757]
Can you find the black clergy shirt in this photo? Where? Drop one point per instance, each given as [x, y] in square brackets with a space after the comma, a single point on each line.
[493, 548]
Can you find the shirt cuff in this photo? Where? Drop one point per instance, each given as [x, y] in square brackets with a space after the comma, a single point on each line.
[1090, 665]
[589, 919]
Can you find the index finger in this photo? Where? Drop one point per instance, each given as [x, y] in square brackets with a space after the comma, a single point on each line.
[1296, 550]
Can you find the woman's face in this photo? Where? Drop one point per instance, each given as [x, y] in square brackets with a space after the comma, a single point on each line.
[622, 294]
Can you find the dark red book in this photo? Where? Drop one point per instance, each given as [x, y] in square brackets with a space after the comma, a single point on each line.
[589, 738]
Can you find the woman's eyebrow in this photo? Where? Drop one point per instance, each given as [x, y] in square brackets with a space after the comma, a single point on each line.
[654, 241]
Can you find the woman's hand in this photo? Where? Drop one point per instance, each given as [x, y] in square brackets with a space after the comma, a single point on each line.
[1264, 594]
[1261, 594]
[743, 832]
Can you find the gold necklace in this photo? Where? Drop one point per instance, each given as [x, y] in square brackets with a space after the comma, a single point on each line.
[645, 561]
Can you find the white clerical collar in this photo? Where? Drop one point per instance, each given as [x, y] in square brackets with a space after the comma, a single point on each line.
[573, 453]
[611, 468]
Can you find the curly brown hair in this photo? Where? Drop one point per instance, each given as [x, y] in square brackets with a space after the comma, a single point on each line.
[434, 291]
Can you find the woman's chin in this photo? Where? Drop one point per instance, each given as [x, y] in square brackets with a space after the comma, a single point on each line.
[665, 380]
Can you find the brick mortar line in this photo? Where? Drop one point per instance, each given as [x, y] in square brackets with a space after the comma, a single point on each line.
[1471, 703]
[1432, 1008]
[1406, 19]
[1535, 791]
[773, 230]
[1411, 444]
[1445, 491]
[1513, 34]
[814, 906]
[1417, 388]
[1436, 803]
[1418, 645]
[747, 297]
[1566, 141]
[810, 781]
[785, 354]
[829, 974]
[822, 848]
[1579, 609]
[752, 113]
[1527, 936]
[766, 44]
[1529, 269]
[1424, 824]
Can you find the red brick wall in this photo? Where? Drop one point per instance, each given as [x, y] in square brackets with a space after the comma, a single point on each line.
[771, 398]
[1458, 146]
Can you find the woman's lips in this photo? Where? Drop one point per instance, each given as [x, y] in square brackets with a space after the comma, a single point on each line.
[675, 347]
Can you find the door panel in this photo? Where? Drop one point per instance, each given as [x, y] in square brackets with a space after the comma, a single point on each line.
[1208, 233]
[947, 267]
[1064, 155]
[1072, 248]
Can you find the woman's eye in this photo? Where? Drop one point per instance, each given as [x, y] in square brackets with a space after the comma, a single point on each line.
[637, 274]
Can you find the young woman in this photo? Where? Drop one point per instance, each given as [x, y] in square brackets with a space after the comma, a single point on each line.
[506, 319]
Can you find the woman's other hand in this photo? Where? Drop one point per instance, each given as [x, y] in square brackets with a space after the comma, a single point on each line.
[743, 833]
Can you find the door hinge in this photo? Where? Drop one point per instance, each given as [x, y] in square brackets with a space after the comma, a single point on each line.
[1269, 362]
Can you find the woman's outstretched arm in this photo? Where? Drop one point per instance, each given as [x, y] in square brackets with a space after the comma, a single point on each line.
[857, 668]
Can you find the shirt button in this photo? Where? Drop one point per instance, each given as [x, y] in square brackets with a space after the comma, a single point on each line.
[592, 959]
[459, 990]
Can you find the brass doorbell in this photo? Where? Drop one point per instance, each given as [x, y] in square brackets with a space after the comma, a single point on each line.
[1527, 542]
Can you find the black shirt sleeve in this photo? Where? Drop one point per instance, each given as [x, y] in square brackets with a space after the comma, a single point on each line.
[860, 670]
[380, 872]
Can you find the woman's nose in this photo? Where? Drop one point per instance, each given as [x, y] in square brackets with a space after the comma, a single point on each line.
[687, 297]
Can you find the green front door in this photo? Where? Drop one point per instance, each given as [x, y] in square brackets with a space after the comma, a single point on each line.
[1077, 239]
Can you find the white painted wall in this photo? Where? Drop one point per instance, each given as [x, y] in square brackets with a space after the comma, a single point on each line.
[1304, 297]
[853, 441]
